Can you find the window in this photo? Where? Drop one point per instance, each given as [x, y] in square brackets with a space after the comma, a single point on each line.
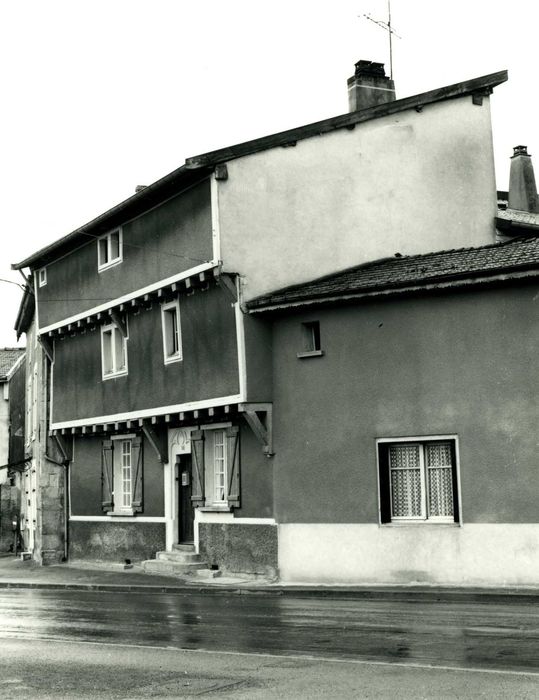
[121, 475]
[172, 339]
[109, 249]
[310, 336]
[42, 276]
[216, 467]
[113, 351]
[418, 481]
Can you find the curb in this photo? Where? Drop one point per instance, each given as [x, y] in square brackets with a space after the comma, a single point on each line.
[396, 594]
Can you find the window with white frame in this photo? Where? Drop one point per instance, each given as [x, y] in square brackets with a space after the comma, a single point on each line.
[418, 480]
[121, 475]
[42, 276]
[219, 467]
[109, 249]
[216, 466]
[113, 351]
[172, 339]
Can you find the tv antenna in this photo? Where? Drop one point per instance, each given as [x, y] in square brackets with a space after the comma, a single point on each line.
[389, 29]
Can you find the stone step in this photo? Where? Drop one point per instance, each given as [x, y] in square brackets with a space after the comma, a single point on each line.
[179, 556]
[206, 573]
[183, 547]
[164, 566]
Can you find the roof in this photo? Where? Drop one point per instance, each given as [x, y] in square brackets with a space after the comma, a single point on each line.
[199, 167]
[8, 359]
[508, 219]
[410, 273]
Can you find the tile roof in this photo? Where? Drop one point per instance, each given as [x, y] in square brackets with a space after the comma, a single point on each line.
[526, 218]
[414, 271]
[8, 357]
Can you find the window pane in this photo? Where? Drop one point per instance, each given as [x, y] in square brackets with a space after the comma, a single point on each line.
[219, 462]
[126, 473]
[440, 479]
[119, 351]
[103, 251]
[114, 245]
[405, 469]
[170, 317]
[107, 352]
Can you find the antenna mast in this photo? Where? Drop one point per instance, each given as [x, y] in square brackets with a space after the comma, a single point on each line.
[390, 31]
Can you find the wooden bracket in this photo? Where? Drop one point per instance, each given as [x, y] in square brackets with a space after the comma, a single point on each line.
[229, 284]
[158, 440]
[65, 445]
[47, 346]
[119, 321]
[259, 417]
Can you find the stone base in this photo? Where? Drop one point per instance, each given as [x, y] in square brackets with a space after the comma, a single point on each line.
[240, 548]
[115, 541]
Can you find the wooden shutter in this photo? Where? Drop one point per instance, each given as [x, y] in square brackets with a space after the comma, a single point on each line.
[137, 483]
[233, 465]
[385, 491]
[197, 456]
[107, 500]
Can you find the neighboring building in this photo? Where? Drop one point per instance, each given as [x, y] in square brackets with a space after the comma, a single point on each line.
[11, 430]
[162, 393]
[406, 409]
[42, 481]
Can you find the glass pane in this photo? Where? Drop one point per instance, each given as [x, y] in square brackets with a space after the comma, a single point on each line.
[107, 352]
[103, 251]
[119, 351]
[440, 479]
[114, 245]
[219, 466]
[126, 473]
[171, 332]
[405, 470]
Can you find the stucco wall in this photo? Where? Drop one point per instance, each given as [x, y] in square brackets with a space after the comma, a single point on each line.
[4, 431]
[209, 367]
[116, 541]
[409, 183]
[166, 240]
[463, 364]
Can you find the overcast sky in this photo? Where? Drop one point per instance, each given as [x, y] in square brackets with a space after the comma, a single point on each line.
[101, 96]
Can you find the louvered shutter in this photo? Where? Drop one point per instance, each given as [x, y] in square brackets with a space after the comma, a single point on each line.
[197, 457]
[137, 478]
[107, 500]
[233, 465]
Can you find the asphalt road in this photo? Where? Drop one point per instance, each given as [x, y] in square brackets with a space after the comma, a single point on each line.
[120, 645]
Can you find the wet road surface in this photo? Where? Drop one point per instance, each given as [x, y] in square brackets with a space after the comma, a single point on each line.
[467, 635]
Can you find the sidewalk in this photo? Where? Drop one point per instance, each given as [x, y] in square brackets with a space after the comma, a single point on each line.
[15, 573]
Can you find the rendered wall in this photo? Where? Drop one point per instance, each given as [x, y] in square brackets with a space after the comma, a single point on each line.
[4, 429]
[117, 541]
[409, 183]
[209, 368]
[171, 238]
[464, 364]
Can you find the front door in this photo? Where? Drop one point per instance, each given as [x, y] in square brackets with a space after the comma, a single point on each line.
[186, 514]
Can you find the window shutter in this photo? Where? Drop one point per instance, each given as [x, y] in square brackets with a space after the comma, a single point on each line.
[137, 478]
[233, 465]
[107, 501]
[385, 491]
[197, 457]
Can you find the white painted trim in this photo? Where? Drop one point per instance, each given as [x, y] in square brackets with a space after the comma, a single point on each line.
[178, 356]
[116, 518]
[128, 436]
[15, 367]
[148, 412]
[171, 487]
[42, 282]
[215, 216]
[255, 521]
[371, 87]
[240, 340]
[215, 426]
[36, 304]
[204, 267]
[101, 267]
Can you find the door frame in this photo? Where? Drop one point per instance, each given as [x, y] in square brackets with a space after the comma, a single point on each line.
[179, 443]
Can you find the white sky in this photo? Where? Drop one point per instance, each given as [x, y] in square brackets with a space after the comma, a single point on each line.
[100, 96]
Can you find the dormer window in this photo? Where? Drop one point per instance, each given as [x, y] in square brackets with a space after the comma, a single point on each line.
[109, 249]
[42, 276]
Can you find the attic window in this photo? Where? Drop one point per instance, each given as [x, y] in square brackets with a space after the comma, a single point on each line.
[310, 333]
[109, 250]
[42, 276]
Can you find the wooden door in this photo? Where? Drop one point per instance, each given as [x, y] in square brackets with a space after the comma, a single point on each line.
[186, 512]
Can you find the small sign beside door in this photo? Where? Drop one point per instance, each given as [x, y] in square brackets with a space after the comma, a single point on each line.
[185, 478]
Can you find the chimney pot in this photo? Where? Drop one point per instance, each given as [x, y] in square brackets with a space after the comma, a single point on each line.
[369, 86]
[520, 151]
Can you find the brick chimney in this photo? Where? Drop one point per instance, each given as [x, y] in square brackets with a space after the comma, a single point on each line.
[522, 188]
[369, 86]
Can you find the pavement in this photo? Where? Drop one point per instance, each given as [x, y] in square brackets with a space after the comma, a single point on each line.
[92, 575]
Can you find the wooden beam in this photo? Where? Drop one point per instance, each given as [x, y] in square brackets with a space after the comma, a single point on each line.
[158, 440]
[48, 346]
[119, 321]
[65, 445]
[262, 431]
[228, 283]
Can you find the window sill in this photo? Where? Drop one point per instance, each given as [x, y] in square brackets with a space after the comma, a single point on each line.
[115, 375]
[215, 509]
[173, 358]
[311, 353]
[108, 265]
[421, 523]
[122, 513]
